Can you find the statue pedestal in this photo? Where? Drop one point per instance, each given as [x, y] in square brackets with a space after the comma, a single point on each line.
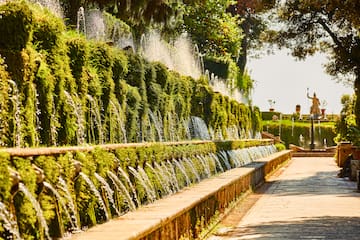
[312, 146]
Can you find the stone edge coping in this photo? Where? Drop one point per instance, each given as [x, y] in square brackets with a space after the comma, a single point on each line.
[147, 218]
[28, 152]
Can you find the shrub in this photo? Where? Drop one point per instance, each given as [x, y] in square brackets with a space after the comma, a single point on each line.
[15, 14]
[280, 146]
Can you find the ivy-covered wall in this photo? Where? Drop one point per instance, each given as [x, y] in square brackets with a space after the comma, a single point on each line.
[58, 88]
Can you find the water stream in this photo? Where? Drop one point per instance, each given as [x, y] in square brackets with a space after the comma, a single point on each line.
[131, 186]
[163, 174]
[80, 131]
[122, 189]
[109, 192]
[157, 124]
[70, 202]
[81, 24]
[192, 168]
[15, 100]
[36, 205]
[182, 169]
[150, 193]
[63, 205]
[95, 121]
[96, 193]
[8, 222]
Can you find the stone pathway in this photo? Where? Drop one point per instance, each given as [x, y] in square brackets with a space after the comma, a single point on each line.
[306, 201]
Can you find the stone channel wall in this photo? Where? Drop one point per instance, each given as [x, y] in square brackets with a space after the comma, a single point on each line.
[186, 213]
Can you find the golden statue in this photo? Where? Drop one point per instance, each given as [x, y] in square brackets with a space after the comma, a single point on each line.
[315, 107]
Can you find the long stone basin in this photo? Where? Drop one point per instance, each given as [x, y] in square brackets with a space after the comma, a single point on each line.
[187, 212]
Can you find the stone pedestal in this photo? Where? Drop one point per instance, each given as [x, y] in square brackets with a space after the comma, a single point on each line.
[355, 167]
[358, 180]
[343, 151]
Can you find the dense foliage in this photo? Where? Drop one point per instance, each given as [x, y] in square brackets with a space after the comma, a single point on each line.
[65, 90]
[346, 127]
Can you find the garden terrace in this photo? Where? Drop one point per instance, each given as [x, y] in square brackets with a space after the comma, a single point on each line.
[49, 192]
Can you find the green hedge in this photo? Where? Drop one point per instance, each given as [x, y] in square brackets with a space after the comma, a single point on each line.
[290, 134]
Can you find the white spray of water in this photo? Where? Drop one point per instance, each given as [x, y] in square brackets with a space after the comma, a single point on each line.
[36, 205]
[80, 21]
[95, 25]
[221, 86]
[179, 56]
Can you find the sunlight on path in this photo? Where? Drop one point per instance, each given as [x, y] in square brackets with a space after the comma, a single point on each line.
[306, 201]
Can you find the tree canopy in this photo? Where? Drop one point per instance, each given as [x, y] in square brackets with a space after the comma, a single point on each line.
[330, 26]
[252, 24]
[214, 30]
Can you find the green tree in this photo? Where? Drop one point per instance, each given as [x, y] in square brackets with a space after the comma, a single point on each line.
[214, 30]
[330, 26]
[346, 125]
[252, 25]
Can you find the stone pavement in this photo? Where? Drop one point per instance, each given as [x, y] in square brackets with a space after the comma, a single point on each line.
[306, 201]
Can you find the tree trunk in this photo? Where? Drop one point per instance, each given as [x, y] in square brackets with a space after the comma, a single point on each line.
[71, 8]
[357, 101]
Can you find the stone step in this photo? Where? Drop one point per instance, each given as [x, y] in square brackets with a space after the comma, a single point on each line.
[313, 154]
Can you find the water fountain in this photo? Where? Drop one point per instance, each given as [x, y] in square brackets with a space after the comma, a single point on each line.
[118, 130]
[131, 187]
[165, 190]
[80, 135]
[109, 192]
[70, 203]
[86, 183]
[39, 212]
[172, 176]
[178, 56]
[8, 222]
[164, 179]
[182, 169]
[152, 181]
[122, 189]
[81, 24]
[96, 193]
[16, 113]
[198, 128]
[149, 190]
[71, 219]
[158, 124]
[95, 122]
[95, 25]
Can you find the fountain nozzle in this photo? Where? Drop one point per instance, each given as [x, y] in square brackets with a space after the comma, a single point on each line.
[77, 167]
[40, 176]
[15, 180]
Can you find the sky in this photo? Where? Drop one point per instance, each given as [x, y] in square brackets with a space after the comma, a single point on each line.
[281, 78]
